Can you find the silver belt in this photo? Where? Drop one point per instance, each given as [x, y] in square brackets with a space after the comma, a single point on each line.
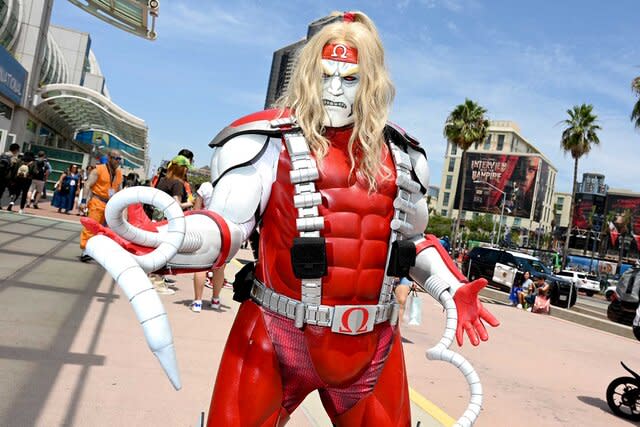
[343, 319]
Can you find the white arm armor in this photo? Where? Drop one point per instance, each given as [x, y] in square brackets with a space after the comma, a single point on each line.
[243, 170]
[429, 261]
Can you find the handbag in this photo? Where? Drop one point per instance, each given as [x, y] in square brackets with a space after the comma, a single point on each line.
[541, 305]
[415, 309]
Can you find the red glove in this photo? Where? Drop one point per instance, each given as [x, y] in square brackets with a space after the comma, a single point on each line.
[471, 313]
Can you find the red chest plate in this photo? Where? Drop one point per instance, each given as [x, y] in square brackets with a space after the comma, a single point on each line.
[356, 229]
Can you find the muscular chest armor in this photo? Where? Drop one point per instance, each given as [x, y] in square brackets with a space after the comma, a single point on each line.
[356, 227]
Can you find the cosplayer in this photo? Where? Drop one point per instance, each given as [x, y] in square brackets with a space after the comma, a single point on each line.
[339, 195]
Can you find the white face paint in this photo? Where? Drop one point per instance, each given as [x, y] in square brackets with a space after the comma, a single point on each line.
[340, 83]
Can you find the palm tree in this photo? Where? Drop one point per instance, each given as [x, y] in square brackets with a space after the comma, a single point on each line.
[465, 126]
[580, 134]
[635, 113]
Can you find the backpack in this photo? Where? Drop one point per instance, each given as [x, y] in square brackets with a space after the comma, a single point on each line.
[23, 171]
[39, 169]
[6, 162]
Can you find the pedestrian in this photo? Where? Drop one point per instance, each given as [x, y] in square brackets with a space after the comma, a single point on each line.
[542, 302]
[172, 184]
[524, 298]
[65, 194]
[403, 287]
[82, 209]
[8, 169]
[216, 277]
[39, 176]
[105, 181]
[22, 181]
[187, 195]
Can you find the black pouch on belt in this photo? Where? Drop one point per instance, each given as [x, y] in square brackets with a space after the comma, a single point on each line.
[243, 282]
[402, 258]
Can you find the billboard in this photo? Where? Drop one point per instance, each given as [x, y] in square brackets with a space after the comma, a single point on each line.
[624, 208]
[585, 206]
[541, 191]
[514, 175]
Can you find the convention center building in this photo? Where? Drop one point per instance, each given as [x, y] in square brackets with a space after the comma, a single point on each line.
[53, 94]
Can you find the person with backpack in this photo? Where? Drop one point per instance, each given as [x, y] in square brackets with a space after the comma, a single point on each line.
[8, 168]
[22, 181]
[39, 175]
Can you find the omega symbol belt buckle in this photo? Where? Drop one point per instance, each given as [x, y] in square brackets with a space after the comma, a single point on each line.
[353, 319]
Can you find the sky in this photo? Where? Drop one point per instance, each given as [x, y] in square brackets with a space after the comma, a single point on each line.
[523, 61]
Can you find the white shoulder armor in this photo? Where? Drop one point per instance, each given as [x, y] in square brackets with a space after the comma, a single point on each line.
[242, 172]
[412, 147]
[420, 166]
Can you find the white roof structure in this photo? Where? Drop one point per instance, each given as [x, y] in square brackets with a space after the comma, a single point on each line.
[71, 108]
[134, 16]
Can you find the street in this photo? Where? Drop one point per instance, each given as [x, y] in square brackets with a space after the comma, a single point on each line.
[73, 353]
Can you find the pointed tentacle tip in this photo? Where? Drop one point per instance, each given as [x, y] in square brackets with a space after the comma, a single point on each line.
[167, 358]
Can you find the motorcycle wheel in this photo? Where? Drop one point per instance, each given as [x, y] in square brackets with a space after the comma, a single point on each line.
[623, 397]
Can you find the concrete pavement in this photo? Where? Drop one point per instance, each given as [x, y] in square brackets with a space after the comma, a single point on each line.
[73, 354]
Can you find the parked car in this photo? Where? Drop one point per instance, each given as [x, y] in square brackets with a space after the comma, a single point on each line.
[622, 308]
[503, 268]
[584, 282]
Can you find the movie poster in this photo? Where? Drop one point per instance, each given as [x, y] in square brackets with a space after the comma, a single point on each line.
[512, 174]
[586, 205]
[624, 209]
[541, 192]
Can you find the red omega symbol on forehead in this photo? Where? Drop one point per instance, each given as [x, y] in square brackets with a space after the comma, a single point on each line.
[340, 52]
[342, 48]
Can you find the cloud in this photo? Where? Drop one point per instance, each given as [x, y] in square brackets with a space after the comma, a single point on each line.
[531, 85]
[455, 6]
[453, 27]
[207, 22]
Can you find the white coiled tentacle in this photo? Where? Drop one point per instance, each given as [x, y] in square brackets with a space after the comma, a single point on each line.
[130, 271]
[438, 288]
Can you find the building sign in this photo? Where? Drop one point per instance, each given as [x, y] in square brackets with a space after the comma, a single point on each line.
[13, 77]
[512, 174]
[624, 216]
[587, 205]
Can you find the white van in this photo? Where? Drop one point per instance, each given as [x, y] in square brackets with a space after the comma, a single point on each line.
[582, 281]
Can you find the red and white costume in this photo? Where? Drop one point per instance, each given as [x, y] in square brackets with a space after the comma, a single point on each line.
[335, 333]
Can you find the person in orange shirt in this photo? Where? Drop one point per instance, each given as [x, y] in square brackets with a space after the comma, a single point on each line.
[105, 181]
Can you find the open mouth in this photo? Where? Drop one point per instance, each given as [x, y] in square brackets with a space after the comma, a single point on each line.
[329, 103]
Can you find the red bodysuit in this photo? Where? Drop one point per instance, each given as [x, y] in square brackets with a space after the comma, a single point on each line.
[272, 365]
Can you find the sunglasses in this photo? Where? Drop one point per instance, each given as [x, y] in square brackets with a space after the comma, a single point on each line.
[116, 158]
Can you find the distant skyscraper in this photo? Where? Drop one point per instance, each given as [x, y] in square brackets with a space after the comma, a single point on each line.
[284, 61]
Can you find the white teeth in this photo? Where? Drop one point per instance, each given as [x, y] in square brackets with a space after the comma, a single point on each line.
[334, 104]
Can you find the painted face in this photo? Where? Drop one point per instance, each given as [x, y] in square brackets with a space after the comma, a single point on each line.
[340, 81]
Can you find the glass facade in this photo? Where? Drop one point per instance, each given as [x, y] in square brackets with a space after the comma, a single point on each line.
[10, 11]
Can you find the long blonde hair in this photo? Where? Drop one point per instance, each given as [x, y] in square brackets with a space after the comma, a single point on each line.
[373, 98]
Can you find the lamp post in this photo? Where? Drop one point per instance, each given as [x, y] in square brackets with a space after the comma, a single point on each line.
[504, 202]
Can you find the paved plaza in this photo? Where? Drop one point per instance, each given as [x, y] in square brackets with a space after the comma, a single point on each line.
[73, 354]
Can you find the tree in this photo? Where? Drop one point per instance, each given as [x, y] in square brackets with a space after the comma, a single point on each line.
[580, 133]
[635, 113]
[465, 126]
[439, 225]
